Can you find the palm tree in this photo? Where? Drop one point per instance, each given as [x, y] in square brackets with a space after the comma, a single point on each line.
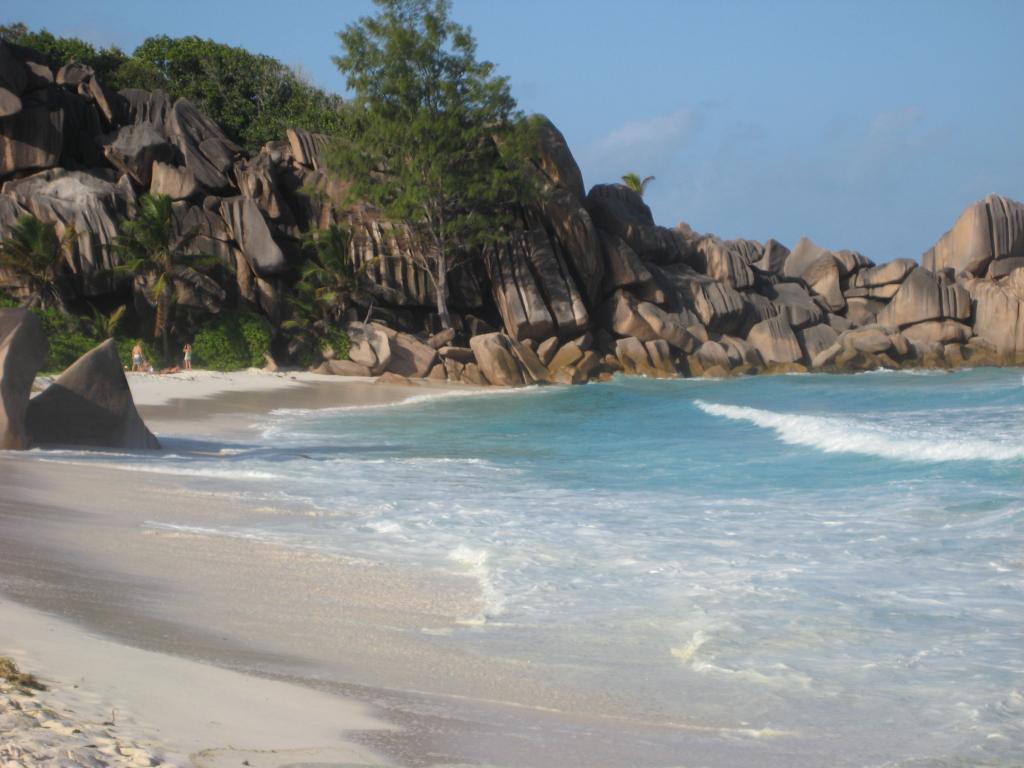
[36, 258]
[102, 325]
[634, 182]
[323, 293]
[164, 267]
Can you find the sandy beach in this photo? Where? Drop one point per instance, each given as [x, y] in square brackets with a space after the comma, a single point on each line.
[142, 701]
[215, 648]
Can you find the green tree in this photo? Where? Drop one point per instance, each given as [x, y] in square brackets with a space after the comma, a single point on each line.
[35, 257]
[253, 98]
[106, 62]
[165, 269]
[322, 296]
[634, 182]
[432, 136]
[100, 324]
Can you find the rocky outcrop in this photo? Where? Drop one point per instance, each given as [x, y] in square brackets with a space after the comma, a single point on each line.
[819, 270]
[134, 148]
[987, 231]
[923, 296]
[581, 285]
[90, 202]
[498, 364]
[22, 351]
[250, 232]
[369, 347]
[775, 341]
[89, 404]
[999, 314]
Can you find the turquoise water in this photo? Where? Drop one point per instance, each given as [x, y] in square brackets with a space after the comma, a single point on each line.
[834, 559]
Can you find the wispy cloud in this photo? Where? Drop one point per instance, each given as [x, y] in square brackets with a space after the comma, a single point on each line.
[643, 146]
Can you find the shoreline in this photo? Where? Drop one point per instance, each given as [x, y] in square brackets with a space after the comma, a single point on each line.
[119, 547]
[101, 664]
[110, 572]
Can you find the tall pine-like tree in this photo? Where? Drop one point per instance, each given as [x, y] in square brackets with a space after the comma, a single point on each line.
[432, 136]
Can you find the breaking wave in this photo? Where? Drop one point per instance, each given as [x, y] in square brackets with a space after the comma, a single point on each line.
[839, 435]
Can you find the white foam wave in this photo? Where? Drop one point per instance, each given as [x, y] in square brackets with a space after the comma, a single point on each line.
[474, 563]
[177, 471]
[838, 435]
[417, 400]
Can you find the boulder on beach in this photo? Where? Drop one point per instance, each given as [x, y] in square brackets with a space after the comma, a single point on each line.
[22, 351]
[89, 404]
[496, 360]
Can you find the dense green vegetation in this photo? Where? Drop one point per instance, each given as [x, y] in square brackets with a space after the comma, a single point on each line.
[166, 271]
[432, 135]
[253, 98]
[233, 340]
[321, 297]
[35, 252]
[69, 336]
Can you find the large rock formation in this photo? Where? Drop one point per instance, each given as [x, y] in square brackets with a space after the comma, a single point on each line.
[22, 351]
[89, 404]
[585, 281]
[988, 231]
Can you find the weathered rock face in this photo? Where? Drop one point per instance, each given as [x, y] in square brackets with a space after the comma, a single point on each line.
[937, 331]
[579, 240]
[370, 347]
[307, 147]
[13, 79]
[775, 341]
[999, 314]
[892, 272]
[22, 351]
[623, 268]
[773, 259]
[95, 207]
[89, 404]
[249, 230]
[410, 357]
[556, 161]
[533, 290]
[793, 300]
[30, 139]
[134, 148]
[922, 296]
[620, 211]
[497, 363]
[819, 270]
[815, 339]
[586, 282]
[728, 262]
[988, 230]
[207, 153]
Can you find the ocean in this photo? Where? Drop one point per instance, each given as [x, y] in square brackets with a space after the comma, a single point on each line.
[836, 561]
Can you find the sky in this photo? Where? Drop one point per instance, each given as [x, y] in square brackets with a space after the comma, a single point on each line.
[866, 125]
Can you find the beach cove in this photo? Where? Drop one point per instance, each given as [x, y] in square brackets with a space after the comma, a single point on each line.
[750, 572]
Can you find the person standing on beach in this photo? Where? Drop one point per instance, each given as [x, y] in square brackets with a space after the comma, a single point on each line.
[137, 357]
[187, 349]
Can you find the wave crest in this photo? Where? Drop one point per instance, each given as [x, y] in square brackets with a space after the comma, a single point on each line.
[837, 435]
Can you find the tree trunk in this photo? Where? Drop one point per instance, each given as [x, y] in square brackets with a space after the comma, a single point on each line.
[442, 291]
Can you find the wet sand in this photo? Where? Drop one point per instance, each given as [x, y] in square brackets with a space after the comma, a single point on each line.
[86, 546]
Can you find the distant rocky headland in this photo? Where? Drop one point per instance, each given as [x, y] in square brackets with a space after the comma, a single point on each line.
[588, 286]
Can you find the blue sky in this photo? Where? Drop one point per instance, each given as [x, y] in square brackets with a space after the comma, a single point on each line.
[866, 125]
